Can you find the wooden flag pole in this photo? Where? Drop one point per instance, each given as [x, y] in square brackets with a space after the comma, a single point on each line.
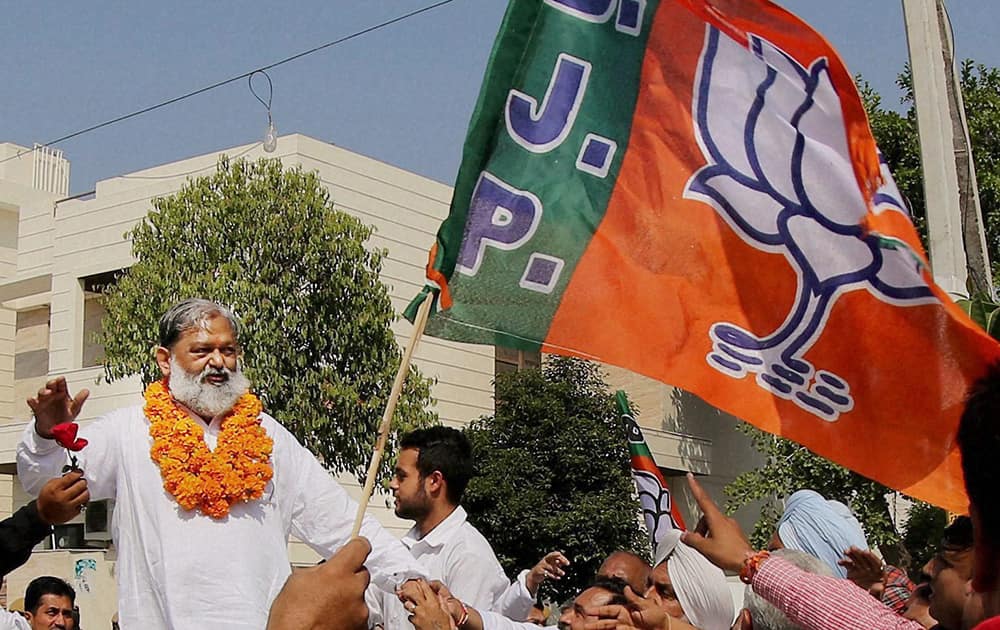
[419, 322]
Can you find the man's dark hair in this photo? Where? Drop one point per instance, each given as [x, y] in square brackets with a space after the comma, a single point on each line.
[446, 450]
[615, 585]
[979, 443]
[958, 535]
[46, 585]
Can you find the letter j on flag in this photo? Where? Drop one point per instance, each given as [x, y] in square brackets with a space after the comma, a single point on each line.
[689, 189]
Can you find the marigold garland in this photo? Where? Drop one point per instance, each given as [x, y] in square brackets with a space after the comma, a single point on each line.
[198, 478]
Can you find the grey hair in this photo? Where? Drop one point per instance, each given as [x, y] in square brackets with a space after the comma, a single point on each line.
[763, 614]
[192, 313]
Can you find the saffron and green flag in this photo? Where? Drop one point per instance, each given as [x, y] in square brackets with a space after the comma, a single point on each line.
[689, 189]
[659, 511]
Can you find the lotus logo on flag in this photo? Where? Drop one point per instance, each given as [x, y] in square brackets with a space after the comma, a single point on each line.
[689, 189]
[659, 511]
[777, 172]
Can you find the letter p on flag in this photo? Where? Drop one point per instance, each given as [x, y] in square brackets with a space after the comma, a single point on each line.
[500, 216]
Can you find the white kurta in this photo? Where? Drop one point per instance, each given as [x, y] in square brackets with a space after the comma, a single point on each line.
[12, 621]
[178, 569]
[458, 555]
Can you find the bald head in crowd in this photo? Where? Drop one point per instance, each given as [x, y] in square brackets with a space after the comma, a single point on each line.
[631, 568]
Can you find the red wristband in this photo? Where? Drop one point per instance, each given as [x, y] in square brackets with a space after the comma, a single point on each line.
[751, 565]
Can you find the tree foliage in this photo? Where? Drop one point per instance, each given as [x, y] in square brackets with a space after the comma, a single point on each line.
[981, 93]
[268, 242]
[553, 473]
[923, 533]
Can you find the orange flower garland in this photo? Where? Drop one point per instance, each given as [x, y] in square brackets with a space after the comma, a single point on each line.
[198, 478]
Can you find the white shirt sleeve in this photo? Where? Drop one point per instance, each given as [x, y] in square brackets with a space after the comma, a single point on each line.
[516, 601]
[496, 621]
[39, 459]
[12, 621]
[323, 516]
[476, 580]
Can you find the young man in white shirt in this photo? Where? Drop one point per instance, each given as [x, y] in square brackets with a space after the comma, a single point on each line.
[433, 469]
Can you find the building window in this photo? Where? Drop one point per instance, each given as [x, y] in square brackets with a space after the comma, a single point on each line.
[8, 226]
[94, 288]
[31, 352]
[511, 360]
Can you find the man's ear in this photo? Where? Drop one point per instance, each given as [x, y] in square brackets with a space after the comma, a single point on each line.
[435, 482]
[986, 572]
[163, 360]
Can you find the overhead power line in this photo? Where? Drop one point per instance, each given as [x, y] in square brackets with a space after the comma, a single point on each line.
[207, 88]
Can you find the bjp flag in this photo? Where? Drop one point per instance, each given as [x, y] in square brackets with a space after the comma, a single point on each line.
[689, 189]
[659, 510]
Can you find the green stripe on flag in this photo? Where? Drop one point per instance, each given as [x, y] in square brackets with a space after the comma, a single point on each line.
[533, 39]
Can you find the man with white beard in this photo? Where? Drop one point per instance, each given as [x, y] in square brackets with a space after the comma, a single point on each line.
[207, 486]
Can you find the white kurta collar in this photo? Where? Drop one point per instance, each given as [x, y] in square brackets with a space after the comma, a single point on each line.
[441, 534]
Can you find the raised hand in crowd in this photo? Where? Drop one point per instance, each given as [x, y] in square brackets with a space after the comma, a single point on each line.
[414, 599]
[548, 568]
[62, 498]
[330, 596]
[53, 405]
[641, 613]
[717, 536]
[428, 609]
[865, 569]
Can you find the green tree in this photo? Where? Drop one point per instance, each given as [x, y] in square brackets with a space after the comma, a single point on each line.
[981, 92]
[923, 533]
[317, 342]
[553, 473]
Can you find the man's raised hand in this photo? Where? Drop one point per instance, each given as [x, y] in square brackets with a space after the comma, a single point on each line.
[549, 567]
[718, 537]
[427, 611]
[53, 405]
[864, 568]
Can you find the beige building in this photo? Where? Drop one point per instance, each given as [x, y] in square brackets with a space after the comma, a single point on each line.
[57, 252]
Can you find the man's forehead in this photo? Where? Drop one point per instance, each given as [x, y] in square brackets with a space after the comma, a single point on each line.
[59, 601]
[956, 556]
[208, 327]
[660, 574]
[594, 596]
[408, 456]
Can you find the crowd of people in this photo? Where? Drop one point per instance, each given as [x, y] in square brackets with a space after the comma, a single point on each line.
[208, 488]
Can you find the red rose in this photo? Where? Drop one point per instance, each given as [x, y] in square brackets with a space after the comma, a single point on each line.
[65, 435]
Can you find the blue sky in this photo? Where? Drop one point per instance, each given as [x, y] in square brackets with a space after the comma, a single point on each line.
[402, 95]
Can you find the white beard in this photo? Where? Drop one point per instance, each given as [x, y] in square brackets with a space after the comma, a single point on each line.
[202, 397]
